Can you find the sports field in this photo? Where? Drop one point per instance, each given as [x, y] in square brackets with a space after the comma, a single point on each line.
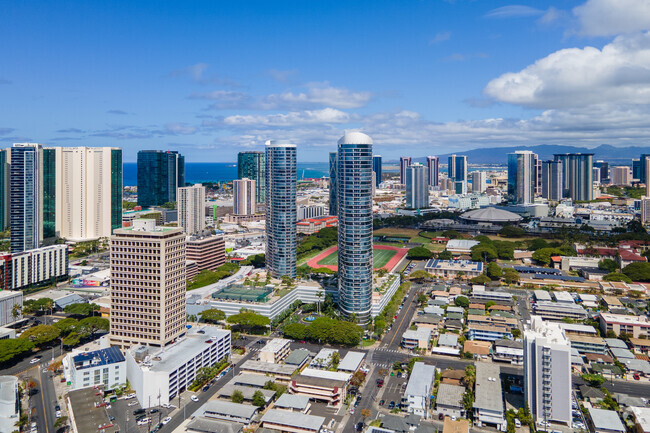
[383, 257]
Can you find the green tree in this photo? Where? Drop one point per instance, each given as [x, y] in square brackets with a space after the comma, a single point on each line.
[41, 334]
[212, 315]
[543, 255]
[71, 340]
[257, 260]
[516, 332]
[596, 380]
[295, 331]
[91, 325]
[336, 358]
[537, 244]
[493, 271]
[481, 279]
[237, 396]
[420, 275]
[249, 320]
[483, 253]
[13, 347]
[461, 301]
[445, 255]
[37, 305]
[510, 275]
[419, 253]
[617, 276]
[422, 299]
[67, 325]
[81, 309]
[638, 271]
[511, 231]
[258, 399]
[608, 265]
[411, 363]
[470, 376]
[468, 400]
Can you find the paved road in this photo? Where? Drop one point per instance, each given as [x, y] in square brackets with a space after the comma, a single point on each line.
[393, 338]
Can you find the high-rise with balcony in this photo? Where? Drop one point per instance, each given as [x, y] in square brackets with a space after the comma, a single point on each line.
[577, 175]
[604, 171]
[281, 208]
[552, 180]
[251, 165]
[5, 159]
[479, 181]
[191, 208]
[26, 196]
[417, 187]
[147, 285]
[333, 199]
[87, 196]
[404, 162]
[457, 168]
[547, 371]
[244, 196]
[376, 167]
[160, 174]
[522, 176]
[433, 165]
[354, 179]
[621, 176]
[643, 167]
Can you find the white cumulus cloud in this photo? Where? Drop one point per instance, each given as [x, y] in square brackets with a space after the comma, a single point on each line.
[324, 116]
[576, 77]
[613, 17]
[319, 94]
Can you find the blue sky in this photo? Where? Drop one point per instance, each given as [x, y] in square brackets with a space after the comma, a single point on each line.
[211, 78]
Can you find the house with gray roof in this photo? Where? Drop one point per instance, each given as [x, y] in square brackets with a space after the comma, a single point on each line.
[449, 400]
[297, 358]
[228, 411]
[488, 404]
[286, 421]
[605, 421]
[293, 402]
[205, 425]
[418, 389]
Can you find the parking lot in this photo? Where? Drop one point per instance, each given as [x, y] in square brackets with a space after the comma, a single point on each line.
[393, 390]
[123, 413]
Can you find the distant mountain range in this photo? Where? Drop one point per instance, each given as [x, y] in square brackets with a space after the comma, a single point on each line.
[498, 155]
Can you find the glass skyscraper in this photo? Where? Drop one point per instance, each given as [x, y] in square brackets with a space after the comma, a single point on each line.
[159, 175]
[376, 167]
[433, 164]
[522, 176]
[552, 180]
[49, 192]
[457, 168]
[333, 197]
[26, 196]
[4, 189]
[281, 208]
[643, 173]
[117, 185]
[577, 175]
[354, 179]
[417, 187]
[251, 165]
[404, 162]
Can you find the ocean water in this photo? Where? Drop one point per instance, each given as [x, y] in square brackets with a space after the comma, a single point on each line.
[197, 172]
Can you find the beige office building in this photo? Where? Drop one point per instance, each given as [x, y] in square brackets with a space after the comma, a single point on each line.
[243, 196]
[191, 208]
[147, 285]
[621, 176]
[88, 198]
[209, 252]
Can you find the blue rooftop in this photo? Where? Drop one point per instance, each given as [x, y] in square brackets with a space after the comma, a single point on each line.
[536, 270]
[559, 278]
[96, 358]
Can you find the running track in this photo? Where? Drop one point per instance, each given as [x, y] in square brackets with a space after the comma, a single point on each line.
[400, 253]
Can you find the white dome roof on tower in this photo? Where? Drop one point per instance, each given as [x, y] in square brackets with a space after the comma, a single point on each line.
[355, 137]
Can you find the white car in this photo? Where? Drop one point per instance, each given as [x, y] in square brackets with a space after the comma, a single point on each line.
[128, 396]
[166, 420]
[34, 361]
[58, 414]
[144, 421]
[133, 403]
[194, 398]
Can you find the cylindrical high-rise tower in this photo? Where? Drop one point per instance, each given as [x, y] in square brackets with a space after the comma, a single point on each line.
[281, 208]
[354, 195]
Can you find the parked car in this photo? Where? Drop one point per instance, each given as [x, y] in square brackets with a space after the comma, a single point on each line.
[166, 420]
[391, 405]
[381, 402]
[194, 398]
[359, 426]
[636, 376]
[144, 421]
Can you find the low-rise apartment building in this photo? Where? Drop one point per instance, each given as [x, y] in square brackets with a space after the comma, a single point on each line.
[489, 332]
[509, 351]
[634, 326]
[586, 344]
[488, 405]
[275, 350]
[558, 311]
[451, 268]
[100, 367]
[321, 385]
[418, 390]
[417, 339]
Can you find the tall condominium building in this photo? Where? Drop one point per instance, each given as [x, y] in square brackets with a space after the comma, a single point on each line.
[457, 168]
[281, 208]
[160, 174]
[552, 180]
[251, 165]
[547, 371]
[433, 164]
[5, 159]
[417, 187]
[191, 208]
[376, 167]
[49, 192]
[244, 196]
[404, 162]
[333, 199]
[522, 176]
[87, 194]
[354, 177]
[645, 209]
[636, 169]
[147, 285]
[596, 174]
[26, 196]
[604, 170]
[577, 175]
[479, 181]
[538, 175]
[643, 167]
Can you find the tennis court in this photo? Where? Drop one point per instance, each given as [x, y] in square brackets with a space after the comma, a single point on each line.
[241, 293]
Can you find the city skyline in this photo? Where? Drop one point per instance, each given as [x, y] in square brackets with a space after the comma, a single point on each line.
[209, 88]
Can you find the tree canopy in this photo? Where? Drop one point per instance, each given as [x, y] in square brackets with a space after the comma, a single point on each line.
[41, 334]
[638, 271]
[608, 265]
[445, 255]
[34, 305]
[11, 348]
[318, 241]
[326, 331]
[510, 275]
[493, 271]
[81, 309]
[212, 315]
[67, 325]
[511, 231]
[90, 325]
[419, 253]
[248, 320]
[617, 276]
[461, 301]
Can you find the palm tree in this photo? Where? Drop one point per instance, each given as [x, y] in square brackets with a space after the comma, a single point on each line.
[319, 295]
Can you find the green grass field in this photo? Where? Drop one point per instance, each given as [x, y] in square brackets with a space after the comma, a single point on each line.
[379, 258]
